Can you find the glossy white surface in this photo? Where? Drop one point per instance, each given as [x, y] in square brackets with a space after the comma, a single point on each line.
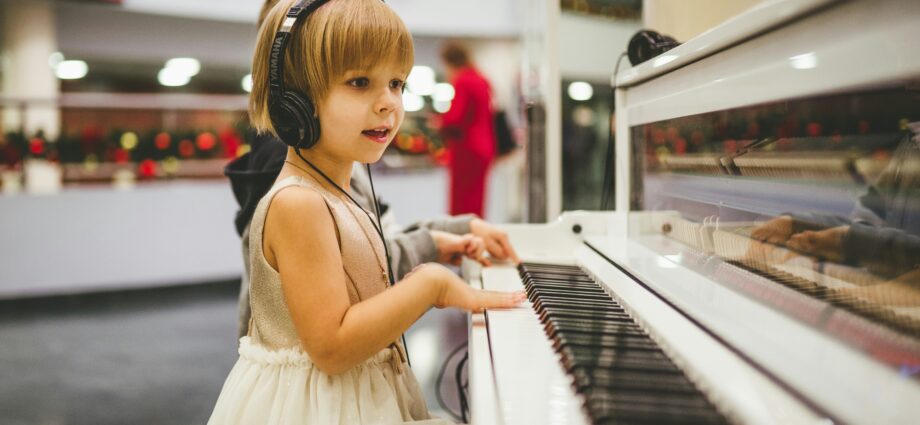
[853, 387]
[819, 54]
[555, 242]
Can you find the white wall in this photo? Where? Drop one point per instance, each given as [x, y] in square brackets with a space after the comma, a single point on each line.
[589, 46]
[98, 238]
[684, 20]
[500, 62]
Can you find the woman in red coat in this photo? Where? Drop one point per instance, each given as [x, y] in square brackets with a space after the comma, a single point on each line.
[468, 132]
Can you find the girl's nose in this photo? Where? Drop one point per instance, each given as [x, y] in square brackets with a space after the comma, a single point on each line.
[387, 102]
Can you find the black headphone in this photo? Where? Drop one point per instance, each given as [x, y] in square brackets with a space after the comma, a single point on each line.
[647, 44]
[292, 113]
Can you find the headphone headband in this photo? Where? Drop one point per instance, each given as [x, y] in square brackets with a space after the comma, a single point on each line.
[276, 59]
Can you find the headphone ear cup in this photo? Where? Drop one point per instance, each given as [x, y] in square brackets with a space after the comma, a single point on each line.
[647, 44]
[306, 114]
[293, 120]
[286, 122]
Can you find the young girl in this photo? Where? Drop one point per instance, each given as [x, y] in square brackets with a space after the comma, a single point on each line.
[323, 344]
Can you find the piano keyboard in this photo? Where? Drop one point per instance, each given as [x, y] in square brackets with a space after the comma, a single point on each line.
[622, 374]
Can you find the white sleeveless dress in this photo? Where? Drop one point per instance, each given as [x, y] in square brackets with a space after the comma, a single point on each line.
[275, 382]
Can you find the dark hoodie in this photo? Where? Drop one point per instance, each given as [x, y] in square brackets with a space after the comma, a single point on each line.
[252, 175]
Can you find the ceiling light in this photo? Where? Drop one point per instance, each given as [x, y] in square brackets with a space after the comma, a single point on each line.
[441, 106]
[421, 80]
[71, 70]
[580, 91]
[247, 83]
[443, 92]
[187, 66]
[171, 77]
[413, 102]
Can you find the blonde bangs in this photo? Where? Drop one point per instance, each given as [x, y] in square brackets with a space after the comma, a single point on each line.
[340, 36]
[346, 35]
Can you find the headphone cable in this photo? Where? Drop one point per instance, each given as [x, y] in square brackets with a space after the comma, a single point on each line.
[608, 161]
[386, 249]
[377, 226]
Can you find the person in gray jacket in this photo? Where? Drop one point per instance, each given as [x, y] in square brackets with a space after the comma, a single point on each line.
[444, 240]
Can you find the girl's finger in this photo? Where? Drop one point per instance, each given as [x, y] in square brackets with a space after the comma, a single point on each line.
[509, 250]
[495, 249]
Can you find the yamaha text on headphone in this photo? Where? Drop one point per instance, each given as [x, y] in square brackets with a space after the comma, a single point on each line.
[292, 113]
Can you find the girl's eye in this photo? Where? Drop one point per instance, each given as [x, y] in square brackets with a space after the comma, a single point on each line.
[360, 82]
[398, 84]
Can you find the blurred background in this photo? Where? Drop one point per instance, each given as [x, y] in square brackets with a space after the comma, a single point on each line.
[119, 263]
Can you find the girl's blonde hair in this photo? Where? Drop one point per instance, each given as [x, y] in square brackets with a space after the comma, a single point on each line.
[339, 36]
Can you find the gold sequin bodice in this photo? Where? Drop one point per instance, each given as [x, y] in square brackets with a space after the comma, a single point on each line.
[362, 256]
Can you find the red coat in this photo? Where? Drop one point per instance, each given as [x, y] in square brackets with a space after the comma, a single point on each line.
[469, 133]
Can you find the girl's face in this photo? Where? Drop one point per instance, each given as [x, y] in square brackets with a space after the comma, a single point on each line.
[361, 113]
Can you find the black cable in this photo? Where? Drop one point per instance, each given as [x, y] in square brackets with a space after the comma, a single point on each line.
[458, 375]
[608, 167]
[386, 250]
[376, 228]
[437, 389]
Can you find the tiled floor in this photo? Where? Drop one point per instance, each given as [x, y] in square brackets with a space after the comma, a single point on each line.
[150, 357]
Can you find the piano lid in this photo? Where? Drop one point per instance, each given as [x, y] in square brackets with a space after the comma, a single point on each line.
[760, 18]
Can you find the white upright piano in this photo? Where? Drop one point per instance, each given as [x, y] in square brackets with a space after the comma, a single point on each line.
[762, 265]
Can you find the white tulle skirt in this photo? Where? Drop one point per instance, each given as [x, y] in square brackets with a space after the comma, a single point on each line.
[284, 387]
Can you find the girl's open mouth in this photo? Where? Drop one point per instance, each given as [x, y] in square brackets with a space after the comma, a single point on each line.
[377, 135]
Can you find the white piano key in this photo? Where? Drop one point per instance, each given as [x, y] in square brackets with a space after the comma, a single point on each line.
[530, 383]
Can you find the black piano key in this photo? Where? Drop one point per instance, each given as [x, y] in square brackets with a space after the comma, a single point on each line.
[596, 319]
[628, 381]
[608, 358]
[546, 302]
[568, 289]
[594, 325]
[572, 296]
[533, 267]
[585, 284]
[642, 408]
[555, 331]
[611, 341]
[575, 286]
[561, 278]
[582, 314]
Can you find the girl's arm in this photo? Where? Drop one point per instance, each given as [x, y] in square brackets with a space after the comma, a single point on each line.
[300, 240]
